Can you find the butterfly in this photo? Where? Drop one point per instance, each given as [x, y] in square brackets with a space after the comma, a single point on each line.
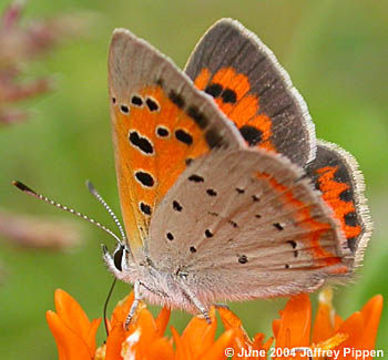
[226, 194]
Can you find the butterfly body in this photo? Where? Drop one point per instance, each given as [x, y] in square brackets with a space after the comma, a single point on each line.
[223, 192]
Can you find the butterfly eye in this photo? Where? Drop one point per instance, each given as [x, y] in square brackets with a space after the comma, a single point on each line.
[117, 258]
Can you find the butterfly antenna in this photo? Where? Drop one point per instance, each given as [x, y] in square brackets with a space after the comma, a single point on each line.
[100, 199]
[34, 194]
[106, 306]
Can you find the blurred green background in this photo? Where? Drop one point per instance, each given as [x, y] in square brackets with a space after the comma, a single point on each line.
[335, 52]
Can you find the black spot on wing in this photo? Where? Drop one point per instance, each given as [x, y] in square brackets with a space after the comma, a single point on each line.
[170, 236]
[162, 131]
[346, 195]
[211, 192]
[251, 135]
[177, 99]
[136, 100]
[145, 208]
[199, 118]
[229, 96]
[196, 178]
[152, 104]
[242, 259]
[193, 249]
[214, 90]
[177, 206]
[145, 178]
[141, 143]
[351, 219]
[124, 109]
[208, 233]
[292, 243]
[233, 223]
[213, 138]
[278, 226]
[183, 136]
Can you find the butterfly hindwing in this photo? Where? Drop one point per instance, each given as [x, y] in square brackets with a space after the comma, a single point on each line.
[244, 77]
[247, 223]
[160, 124]
[336, 174]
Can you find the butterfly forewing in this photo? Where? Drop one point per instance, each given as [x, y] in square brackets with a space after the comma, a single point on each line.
[231, 64]
[160, 124]
[247, 223]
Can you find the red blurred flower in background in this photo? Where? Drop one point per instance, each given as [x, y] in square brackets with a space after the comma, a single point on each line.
[19, 45]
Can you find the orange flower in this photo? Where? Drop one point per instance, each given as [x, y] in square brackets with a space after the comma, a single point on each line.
[145, 339]
[73, 332]
[329, 331]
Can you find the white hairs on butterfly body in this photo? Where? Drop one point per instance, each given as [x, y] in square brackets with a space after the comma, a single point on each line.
[34, 194]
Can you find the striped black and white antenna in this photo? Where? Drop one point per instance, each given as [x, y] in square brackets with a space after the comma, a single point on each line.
[94, 192]
[101, 200]
[34, 194]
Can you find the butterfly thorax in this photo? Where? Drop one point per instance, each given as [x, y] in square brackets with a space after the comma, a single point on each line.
[162, 285]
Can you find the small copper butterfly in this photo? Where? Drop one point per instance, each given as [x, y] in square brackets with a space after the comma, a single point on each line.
[225, 192]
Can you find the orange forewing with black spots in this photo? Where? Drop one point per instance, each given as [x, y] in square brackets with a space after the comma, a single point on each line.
[243, 76]
[167, 155]
[160, 123]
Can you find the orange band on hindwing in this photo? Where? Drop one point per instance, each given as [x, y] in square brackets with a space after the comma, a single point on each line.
[345, 211]
[305, 219]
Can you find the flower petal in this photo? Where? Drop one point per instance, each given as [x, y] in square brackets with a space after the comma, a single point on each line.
[71, 313]
[114, 342]
[70, 345]
[161, 349]
[162, 320]
[241, 339]
[198, 335]
[294, 329]
[353, 328]
[276, 326]
[324, 320]
[182, 351]
[372, 314]
[117, 333]
[217, 350]
[91, 337]
[121, 310]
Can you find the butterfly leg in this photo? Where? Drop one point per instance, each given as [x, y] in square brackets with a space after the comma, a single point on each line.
[202, 308]
[135, 304]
